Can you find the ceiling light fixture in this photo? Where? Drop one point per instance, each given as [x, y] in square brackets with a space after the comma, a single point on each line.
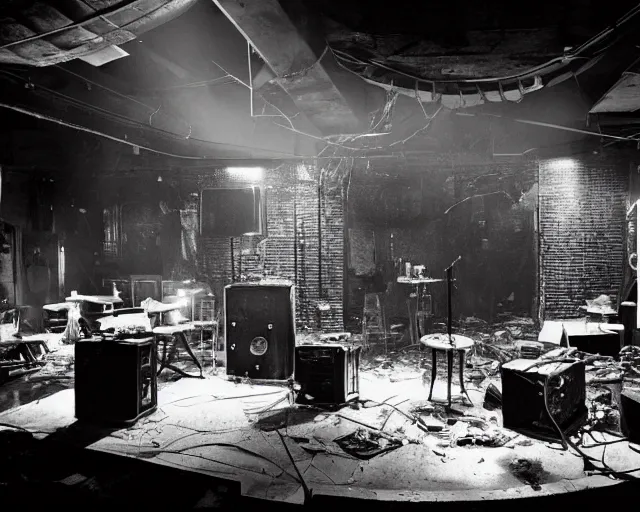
[248, 173]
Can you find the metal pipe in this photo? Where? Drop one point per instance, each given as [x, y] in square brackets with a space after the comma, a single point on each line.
[320, 290]
[295, 233]
[250, 78]
[233, 277]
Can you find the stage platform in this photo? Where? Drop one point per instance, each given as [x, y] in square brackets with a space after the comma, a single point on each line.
[236, 432]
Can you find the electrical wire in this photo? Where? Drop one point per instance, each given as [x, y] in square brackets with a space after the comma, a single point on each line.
[395, 407]
[217, 399]
[566, 442]
[153, 453]
[549, 125]
[108, 89]
[143, 125]
[222, 445]
[23, 429]
[305, 487]
[66, 124]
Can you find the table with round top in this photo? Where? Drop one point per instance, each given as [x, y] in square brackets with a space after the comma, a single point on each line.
[448, 344]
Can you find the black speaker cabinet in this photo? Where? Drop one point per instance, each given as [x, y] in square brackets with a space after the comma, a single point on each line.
[630, 414]
[115, 381]
[594, 338]
[523, 404]
[260, 330]
[328, 374]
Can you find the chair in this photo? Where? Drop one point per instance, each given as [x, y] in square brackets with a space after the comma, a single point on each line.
[373, 320]
[207, 320]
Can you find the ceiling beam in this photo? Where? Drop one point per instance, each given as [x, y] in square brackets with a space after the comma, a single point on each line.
[299, 70]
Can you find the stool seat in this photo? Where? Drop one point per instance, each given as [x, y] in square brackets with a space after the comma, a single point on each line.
[440, 341]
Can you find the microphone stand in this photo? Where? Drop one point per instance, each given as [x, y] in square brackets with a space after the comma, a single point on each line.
[449, 272]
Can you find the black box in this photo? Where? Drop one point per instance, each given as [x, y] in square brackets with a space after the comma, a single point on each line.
[115, 381]
[328, 373]
[630, 414]
[523, 403]
[260, 330]
[593, 338]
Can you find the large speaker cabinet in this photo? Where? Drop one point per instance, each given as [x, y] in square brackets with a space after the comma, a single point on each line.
[115, 381]
[630, 414]
[260, 330]
[523, 402]
[327, 374]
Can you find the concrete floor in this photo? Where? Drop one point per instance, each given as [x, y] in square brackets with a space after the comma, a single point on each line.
[233, 430]
[238, 431]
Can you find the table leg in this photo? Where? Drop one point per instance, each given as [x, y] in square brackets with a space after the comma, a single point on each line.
[434, 362]
[416, 321]
[163, 361]
[183, 339]
[202, 344]
[449, 375]
[462, 363]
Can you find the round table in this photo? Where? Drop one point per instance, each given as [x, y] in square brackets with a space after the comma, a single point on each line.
[442, 342]
[414, 323]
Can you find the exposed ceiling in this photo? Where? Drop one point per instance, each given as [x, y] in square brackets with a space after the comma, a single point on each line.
[317, 76]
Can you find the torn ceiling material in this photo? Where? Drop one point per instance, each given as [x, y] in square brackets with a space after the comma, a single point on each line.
[40, 34]
[298, 68]
[461, 86]
[624, 96]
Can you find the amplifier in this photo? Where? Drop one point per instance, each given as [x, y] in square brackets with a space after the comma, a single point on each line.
[523, 401]
[630, 414]
[260, 330]
[115, 381]
[327, 374]
[594, 338]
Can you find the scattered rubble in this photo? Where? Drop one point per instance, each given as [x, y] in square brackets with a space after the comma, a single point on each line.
[529, 472]
[366, 444]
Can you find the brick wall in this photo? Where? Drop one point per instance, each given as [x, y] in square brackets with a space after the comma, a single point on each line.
[582, 222]
[410, 204]
[292, 249]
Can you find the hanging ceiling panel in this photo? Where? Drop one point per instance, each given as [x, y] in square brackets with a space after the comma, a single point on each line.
[43, 35]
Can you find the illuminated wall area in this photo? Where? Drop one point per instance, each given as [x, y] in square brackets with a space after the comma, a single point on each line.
[582, 222]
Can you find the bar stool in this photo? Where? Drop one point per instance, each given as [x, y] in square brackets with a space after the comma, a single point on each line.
[448, 344]
[373, 320]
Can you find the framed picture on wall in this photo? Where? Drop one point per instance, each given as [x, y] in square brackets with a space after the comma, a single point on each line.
[232, 212]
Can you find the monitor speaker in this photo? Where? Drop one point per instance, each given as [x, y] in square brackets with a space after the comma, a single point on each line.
[101, 398]
[630, 414]
[594, 338]
[523, 402]
[327, 374]
[260, 330]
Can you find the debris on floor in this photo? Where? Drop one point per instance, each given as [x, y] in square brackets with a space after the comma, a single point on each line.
[365, 444]
[392, 421]
[530, 472]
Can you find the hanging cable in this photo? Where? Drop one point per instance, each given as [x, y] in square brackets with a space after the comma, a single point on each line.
[144, 125]
[60, 122]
